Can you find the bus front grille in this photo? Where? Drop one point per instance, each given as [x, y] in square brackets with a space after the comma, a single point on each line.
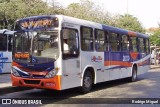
[32, 81]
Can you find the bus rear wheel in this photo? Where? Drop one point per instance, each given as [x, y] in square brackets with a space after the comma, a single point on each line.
[87, 82]
[134, 74]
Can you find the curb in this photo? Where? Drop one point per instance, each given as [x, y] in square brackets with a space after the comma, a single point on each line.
[155, 68]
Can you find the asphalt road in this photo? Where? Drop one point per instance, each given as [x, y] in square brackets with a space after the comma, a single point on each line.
[147, 86]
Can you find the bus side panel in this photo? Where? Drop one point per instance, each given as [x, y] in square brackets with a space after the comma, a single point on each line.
[118, 64]
[126, 70]
[95, 60]
[115, 71]
[70, 73]
[143, 69]
[143, 63]
[5, 62]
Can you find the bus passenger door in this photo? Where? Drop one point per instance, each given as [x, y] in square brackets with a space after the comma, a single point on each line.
[70, 58]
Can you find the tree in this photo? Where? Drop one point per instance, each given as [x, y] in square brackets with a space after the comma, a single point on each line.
[79, 10]
[2, 1]
[155, 36]
[87, 10]
[129, 22]
[11, 10]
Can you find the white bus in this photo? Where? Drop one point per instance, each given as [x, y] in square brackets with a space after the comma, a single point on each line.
[60, 52]
[5, 50]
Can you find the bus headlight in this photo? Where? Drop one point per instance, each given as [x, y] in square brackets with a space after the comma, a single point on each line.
[15, 72]
[52, 73]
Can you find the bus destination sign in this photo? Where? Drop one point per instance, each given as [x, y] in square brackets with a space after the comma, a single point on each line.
[36, 23]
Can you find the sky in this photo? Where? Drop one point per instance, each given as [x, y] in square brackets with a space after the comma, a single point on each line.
[147, 11]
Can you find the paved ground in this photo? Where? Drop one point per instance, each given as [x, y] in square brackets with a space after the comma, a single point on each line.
[5, 80]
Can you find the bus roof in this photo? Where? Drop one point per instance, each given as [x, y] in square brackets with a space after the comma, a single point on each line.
[102, 26]
[95, 25]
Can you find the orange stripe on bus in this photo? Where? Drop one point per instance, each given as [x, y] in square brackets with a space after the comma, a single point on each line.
[108, 63]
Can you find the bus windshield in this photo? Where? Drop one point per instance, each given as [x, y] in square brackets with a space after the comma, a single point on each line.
[23, 41]
[37, 43]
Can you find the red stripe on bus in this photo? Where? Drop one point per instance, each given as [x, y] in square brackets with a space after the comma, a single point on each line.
[16, 64]
[130, 33]
[134, 55]
[142, 63]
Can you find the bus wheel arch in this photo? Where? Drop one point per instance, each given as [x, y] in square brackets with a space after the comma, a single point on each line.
[88, 79]
[133, 77]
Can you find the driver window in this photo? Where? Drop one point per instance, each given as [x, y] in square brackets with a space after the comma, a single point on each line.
[10, 42]
[70, 41]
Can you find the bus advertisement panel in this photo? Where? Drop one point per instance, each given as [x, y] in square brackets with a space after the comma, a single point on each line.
[5, 50]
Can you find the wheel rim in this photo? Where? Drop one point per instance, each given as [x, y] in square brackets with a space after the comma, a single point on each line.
[87, 82]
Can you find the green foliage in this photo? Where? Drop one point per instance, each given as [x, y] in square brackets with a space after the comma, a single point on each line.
[12, 10]
[89, 11]
[129, 22]
[2, 1]
[155, 38]
[80, 11]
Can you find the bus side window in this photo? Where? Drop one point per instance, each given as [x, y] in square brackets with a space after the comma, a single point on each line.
[147, 45]
[86, 39]
[70, 42]
[115, 42]
[3, 43]
[141, 45]
[100, 43]
[125, 43]
[133, 44]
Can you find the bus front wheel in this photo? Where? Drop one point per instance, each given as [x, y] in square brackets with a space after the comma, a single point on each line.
[87, 82]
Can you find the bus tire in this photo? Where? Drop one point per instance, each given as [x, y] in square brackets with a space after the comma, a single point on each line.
[87, 82]
[134, 74]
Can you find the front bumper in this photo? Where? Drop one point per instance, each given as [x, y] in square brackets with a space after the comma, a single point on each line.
[45, 83]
